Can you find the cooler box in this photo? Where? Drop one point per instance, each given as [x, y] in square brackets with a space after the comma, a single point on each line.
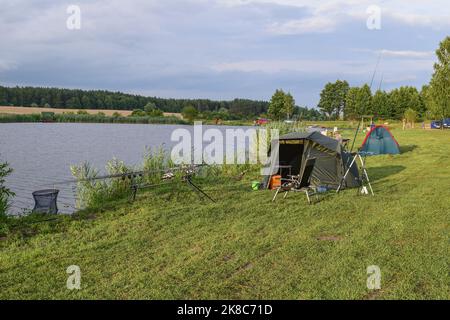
[275, 182]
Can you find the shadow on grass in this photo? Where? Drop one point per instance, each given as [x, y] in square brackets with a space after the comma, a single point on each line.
[379, 173]
[407, 148]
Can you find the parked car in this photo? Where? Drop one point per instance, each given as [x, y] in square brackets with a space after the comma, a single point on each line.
[447, 123]
[438, 124]
[261, 121]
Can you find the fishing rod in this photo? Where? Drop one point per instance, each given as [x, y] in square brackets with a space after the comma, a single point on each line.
[376, 69]
[132, 174]
[371, 85]
[187, 178]
[381, 82]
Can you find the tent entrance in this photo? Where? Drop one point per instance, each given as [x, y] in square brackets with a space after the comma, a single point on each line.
[290, 155]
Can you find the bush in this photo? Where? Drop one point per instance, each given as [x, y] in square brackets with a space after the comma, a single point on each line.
[189, 113]
[93, 192]
[410, 116]
[47, 116]
[4, 229]
[138, 113]
[152, 111]
[5, 193]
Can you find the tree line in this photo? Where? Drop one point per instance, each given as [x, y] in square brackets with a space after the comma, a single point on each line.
[102, 99]
[339, 100]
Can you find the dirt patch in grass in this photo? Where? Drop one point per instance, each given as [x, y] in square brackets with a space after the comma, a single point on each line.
[373, 295]
[330, 238]
[227, 257]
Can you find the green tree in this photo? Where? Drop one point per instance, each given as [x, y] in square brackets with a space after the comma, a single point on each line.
[289, 105]
[3, 96]
[151, 110]
[333, 98]
[149, 107]
[109, 102]
[189, 113]
[358, 102]
[138, 113]
[277, 105]
[440, 82]
[365, 101]
[405, 98]
[73, 103]
[425, 95]
[351, 102]
[410, 116]
[381, 106]
[85, 102]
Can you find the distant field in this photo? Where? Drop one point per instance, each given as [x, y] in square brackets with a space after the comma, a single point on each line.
[30, 110]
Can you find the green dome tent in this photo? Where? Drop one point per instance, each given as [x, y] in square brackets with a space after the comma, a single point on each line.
[380, 140]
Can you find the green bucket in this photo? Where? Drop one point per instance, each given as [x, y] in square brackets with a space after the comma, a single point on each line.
[256, 185]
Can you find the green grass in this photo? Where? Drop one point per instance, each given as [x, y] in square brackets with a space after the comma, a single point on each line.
[174, 246]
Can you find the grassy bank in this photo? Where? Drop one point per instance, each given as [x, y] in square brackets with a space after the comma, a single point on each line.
[173, 245]
[38, 110]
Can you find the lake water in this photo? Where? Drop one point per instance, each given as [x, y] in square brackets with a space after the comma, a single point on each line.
[41, 153]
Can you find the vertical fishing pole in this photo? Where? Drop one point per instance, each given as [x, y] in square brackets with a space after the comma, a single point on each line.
[371, 85]
[381, 82]
[376, 69]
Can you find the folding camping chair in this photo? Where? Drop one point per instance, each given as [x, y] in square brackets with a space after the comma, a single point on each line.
[299, 183]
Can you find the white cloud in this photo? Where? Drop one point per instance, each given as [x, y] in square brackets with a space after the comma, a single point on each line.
[6, 65]
[326, 16]
[364, 68]
[407, 54]
[436, 20]
[318, 66]
[399, 79]
[314, 24]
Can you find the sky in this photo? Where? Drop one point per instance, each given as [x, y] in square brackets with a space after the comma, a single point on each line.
[220, 49]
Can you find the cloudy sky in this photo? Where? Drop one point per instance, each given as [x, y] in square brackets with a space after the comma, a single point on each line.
[219, 49]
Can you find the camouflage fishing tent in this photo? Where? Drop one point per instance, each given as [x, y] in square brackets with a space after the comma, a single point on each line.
[292, 150]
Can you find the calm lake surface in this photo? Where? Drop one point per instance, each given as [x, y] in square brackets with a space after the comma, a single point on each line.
[41, 153]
